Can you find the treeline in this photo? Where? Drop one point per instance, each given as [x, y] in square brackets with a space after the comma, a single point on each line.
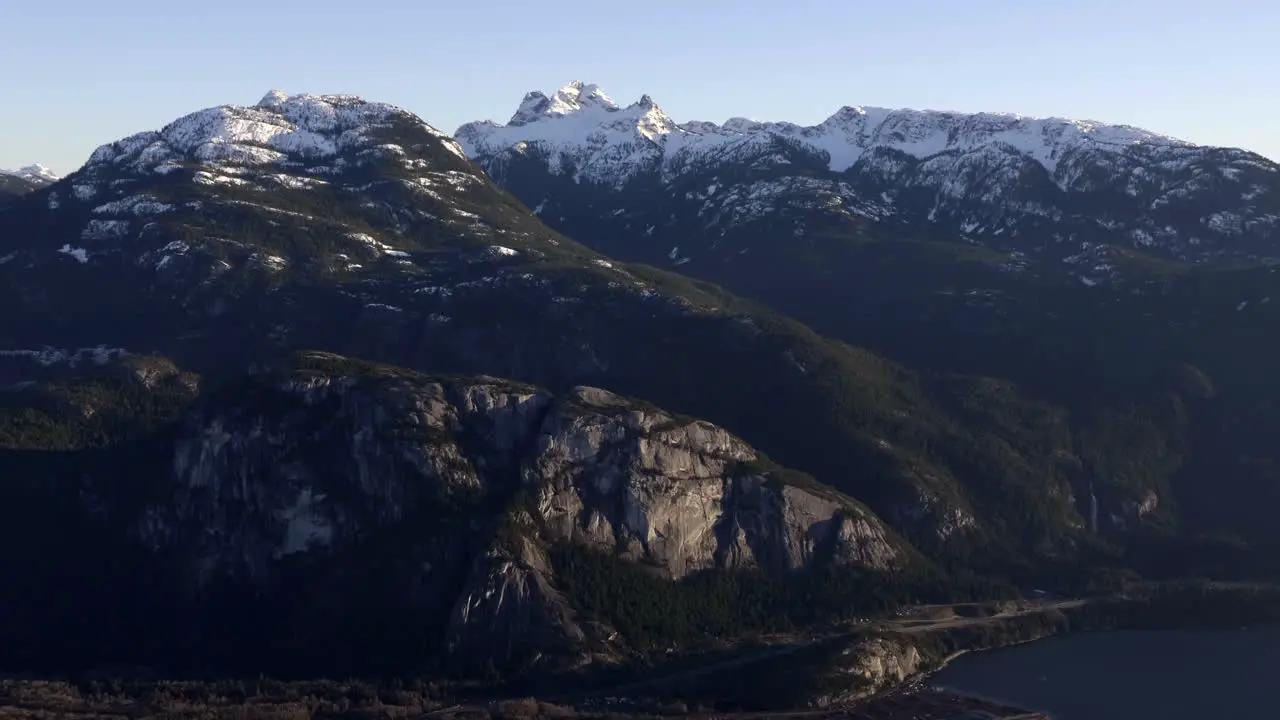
[654, 612]
[91, 412]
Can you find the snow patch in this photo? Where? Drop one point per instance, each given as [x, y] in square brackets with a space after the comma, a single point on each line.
[78, 253]
[305, 526]
[105, 230]
[138, 205]
[204, 177]
[296, 182]
[377, 246]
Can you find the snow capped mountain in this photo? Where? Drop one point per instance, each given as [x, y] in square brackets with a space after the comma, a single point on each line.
[569, 99]
[336, 167]
[281, 129]
[584, 128]
[1010, 182]
[15, 183]
[35, 173]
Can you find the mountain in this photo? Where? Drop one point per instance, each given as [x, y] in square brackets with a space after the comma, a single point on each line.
[1067, 194]
[17, 182]
[36, 173]
[209, 327]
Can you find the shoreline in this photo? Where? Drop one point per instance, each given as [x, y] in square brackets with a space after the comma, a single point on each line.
[921, 677]
[920, 681]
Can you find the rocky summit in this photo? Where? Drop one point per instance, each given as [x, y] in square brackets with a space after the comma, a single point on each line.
[310, 387]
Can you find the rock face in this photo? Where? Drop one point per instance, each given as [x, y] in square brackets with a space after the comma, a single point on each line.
[462, 486]
[674, 492]
[254, 486]
[511, 610]
[329, 456]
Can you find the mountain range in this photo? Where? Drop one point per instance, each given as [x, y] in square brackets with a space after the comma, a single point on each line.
[592, 385]
[1042, 192]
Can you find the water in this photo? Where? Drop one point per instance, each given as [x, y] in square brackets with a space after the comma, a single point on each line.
[1165, 675]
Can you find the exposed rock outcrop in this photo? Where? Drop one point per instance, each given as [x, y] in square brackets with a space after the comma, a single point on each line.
[874, 665]
[680, 493]
[510, 610]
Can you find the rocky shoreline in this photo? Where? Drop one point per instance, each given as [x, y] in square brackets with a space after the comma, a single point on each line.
[931, 704]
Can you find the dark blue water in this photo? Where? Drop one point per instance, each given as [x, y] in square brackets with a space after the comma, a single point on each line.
[1156, 675]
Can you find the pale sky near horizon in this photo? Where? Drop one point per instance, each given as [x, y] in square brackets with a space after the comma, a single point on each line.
[79, 73]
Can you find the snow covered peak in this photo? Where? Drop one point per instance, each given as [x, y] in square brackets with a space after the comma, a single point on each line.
[572, 98]
[281, 127]
[35, 173]
[578, 114]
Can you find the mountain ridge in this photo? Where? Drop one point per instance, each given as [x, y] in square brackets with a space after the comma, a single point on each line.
[1051, 188]
[873, 126]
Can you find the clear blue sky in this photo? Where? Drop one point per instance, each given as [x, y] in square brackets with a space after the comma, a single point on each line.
[78, 73]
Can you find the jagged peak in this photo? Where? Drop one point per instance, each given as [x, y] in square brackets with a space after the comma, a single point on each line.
[578, 95]
[534, 105]
[571, 99]
[572, 113]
